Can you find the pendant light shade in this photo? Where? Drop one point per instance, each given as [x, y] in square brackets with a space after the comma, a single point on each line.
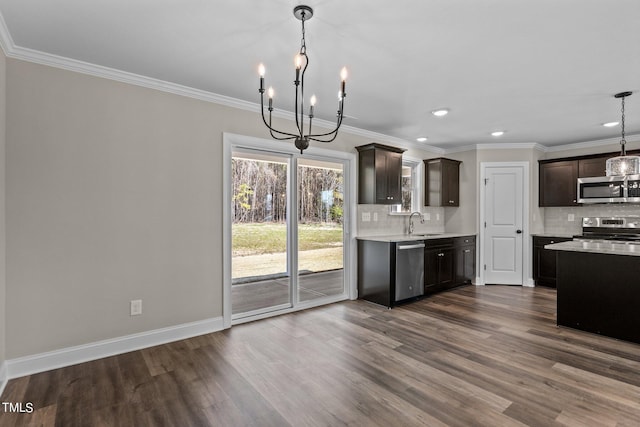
[623, 164]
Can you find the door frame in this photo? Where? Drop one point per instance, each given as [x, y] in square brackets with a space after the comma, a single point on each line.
[526, 238]
[232, 142]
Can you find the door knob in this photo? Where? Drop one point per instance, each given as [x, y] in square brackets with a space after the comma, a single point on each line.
[519, 231]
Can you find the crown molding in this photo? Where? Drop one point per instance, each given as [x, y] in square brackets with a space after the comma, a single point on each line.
[56, 61]
[589, 144]
[498, 146]
[6, 42]
[82, 67]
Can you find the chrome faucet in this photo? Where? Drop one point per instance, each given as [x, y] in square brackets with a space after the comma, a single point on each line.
[411, 221]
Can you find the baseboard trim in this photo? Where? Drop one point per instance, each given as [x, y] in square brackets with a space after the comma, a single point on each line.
[28, 365]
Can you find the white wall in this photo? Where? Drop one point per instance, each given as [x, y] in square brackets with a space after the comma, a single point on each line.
[113, 193]
[464, 218]
[3, 91]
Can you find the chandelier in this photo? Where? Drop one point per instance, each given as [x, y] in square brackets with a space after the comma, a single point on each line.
[303, 13]
[623, 164]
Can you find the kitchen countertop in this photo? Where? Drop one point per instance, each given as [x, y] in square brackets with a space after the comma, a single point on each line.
[563, 235]
[597, 246]
[416, 236]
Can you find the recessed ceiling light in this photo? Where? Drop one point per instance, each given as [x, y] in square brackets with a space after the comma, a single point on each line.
[497, 133]
[421, 139]
[610, 124]
[441, 112]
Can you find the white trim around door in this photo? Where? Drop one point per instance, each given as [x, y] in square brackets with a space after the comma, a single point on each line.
[232, 142]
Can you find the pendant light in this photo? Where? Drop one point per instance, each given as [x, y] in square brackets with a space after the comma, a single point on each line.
[623, 164]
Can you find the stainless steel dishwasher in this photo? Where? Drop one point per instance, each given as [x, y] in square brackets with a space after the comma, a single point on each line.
[409, 270]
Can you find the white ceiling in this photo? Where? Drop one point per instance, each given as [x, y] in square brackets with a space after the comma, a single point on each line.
[544, 71]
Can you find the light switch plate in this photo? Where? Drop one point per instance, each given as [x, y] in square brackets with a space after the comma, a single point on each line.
[366, 216]
[375, 216]
[571, 217]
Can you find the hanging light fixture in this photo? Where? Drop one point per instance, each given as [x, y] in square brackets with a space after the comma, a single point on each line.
[303, 13]
[623, 164]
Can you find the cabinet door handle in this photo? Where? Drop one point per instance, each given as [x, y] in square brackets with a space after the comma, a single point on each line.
[552, 241]
[440, 254]
[467, 251]
[451, 202]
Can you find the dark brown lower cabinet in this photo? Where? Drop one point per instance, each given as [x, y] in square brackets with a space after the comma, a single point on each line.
[448, 263]
[465, 259]
[439, 271]
[545, 260]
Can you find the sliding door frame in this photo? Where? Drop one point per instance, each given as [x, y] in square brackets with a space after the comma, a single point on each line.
[234, 142]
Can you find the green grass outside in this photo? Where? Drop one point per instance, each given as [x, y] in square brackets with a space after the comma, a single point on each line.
[269, 238]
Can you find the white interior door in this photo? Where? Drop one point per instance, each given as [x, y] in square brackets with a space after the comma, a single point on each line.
[503, 225]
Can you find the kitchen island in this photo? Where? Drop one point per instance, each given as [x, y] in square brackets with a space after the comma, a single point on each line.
[598, 287]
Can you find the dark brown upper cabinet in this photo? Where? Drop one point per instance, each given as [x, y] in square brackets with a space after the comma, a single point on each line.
[558, 183]
[596, 166]
[558, 178]
[379, 174]
[442, 182]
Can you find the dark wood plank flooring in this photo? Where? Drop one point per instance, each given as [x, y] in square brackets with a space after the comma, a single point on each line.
[486, 356]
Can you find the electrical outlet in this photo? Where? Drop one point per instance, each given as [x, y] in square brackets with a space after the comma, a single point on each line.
[437, 217]
[366, 216]
[136, 307]
[571, 217]
[427, 216]
[375, 216]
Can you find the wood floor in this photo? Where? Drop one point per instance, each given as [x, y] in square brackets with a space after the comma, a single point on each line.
[484, 356]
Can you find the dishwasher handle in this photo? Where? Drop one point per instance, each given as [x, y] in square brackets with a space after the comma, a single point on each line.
[405, 247]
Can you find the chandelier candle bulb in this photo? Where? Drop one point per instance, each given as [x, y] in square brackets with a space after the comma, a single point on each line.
[312, 102]
[298, 62]
[343, 77]
[261, 73]
[270, 93]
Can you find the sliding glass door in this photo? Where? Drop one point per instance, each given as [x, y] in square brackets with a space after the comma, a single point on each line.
[260, 267]
[320, 228]
[287, 220]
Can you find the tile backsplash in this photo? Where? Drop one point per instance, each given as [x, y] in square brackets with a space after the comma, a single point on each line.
[556, 220]
[380, 222]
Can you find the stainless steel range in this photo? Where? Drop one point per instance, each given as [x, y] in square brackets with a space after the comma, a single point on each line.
[624, 229]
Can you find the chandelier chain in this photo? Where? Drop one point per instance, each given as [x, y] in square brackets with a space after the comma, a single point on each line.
[303, 42]
[622, 141]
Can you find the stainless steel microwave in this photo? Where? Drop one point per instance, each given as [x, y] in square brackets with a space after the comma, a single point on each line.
[609, 189]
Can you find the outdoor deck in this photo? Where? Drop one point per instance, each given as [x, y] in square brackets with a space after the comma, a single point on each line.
[266, 293]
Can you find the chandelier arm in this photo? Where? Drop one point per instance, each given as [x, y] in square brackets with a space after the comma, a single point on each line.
[295, 111]
[333, 134]
[268, 125]
[335, 130]
[326, 141]
[303, 52]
